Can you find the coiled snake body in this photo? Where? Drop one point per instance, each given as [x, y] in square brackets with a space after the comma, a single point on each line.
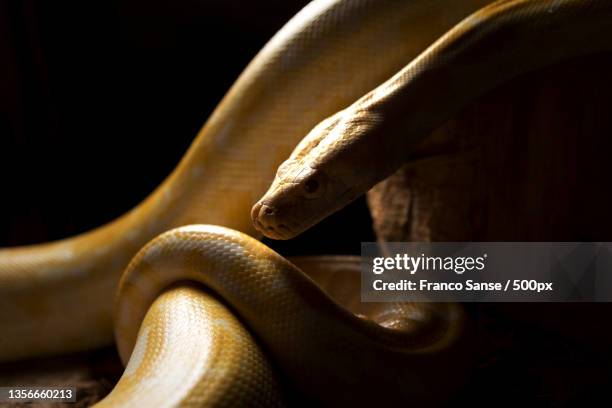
[193, 341]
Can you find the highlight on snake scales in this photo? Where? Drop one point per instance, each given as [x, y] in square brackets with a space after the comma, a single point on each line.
[293, 203]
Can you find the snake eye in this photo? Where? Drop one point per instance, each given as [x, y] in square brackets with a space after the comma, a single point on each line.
[311, 186]
[310, 182]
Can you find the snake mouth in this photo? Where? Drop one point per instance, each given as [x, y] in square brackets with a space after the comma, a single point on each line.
[265, 219]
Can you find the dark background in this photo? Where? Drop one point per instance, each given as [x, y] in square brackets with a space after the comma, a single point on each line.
[99, 101]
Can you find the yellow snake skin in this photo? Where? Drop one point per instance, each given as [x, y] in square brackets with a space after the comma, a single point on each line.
[312, 340]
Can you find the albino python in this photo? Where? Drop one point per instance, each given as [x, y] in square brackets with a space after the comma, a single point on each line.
[226, 320]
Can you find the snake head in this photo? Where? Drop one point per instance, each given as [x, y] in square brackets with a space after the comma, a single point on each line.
[297, 199]
[339, 160]
[331, 167]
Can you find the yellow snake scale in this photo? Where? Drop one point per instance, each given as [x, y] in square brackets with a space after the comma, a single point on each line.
[206, 315]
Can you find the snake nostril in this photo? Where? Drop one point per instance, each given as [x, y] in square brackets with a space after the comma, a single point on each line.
[266, 213]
